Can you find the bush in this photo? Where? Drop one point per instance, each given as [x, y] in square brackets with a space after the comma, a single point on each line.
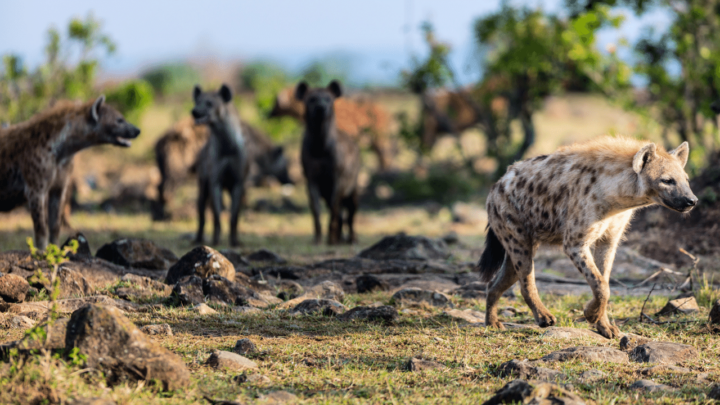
[172, 79]
[132, 99]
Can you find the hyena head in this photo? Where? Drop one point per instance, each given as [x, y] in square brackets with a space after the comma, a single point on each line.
[287, 105]
[211, 108]
[319, 102]
[109, 126]
[665, 177]
[274, 163]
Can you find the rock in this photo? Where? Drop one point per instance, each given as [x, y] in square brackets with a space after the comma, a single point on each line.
[383, 313]
[663, 369]
[83, 246]
[527, 371]
[288, 290]
[157, 330]
[146, 283]
[323, 307]
[416, 296]
[430, 283]
[202, 262]
[714, 392]
[416, 364]
[56, 330]
[684, 305]
[650, 386]
[92, 401]
[13, 288]
[231, 361]
[40, 309]
[478, 290]
[116, 346]
[21, 322]
[591, 376]
[252, 378]
[325, 290]
[72, 284]
[450, 238]
[470, 214]
[368, 283]
[203, 309]
[663, 353]
[715, 313]
[588, 354]
[137, 253]
[244, 347]
[555, 332]
[235, 258]
[189, 290]
[520, 391]
[220, 290]
[631, 341]
[467, 315]
[247, 310]
[404, 247]
[278, 397]
[264, 255]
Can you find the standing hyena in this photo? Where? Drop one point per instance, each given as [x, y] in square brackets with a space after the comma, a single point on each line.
[222, 164]
[36, 158]
[583, 197]
[330, 161]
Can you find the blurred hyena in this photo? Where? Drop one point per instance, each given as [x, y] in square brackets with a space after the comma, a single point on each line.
[581, 197]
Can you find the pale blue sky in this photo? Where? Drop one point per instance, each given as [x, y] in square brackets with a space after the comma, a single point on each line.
[372, 33]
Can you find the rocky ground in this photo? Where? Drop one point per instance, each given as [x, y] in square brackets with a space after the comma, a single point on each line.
[402, 321]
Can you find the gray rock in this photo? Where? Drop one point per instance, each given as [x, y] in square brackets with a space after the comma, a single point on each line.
[278, 398]
[404, 247]
[650, 386]
[21, 322]
[92, 401]
[203, 262]
[591, 376]
[588, 354]
[231, 361]
[714, 318]
[368, 283]
[478, 290]
[325, 290]
[219, 290]
[663, 353]
[714, 392]
[203, 309]
[467, 315]
[664, 369]
[520, 391]
[416, 296]
[83, 246]
[244, 347]
[137, 253]
[555, 332]
[631, 341]
[287, 289]
[682, 305]
[264, 255]
[72, 284]
[13, 288]
[157, 330]
[383, 313]
[189, 290]
[527, 371]
[314, 306]
[416, 364]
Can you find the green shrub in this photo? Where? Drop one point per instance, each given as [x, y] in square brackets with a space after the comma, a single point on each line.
[132, 99]
[172, 79]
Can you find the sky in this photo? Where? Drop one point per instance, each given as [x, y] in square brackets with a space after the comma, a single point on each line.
[378, 37]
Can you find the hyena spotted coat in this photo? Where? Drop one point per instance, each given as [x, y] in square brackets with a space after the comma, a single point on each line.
[36, 158]
[581, 197]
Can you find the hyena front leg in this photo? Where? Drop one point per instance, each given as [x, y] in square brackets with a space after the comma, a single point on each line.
[596, 309]
[238, 194]
[522, 257]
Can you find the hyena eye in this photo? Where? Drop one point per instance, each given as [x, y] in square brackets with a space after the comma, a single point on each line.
[120, 120]
[669, 182]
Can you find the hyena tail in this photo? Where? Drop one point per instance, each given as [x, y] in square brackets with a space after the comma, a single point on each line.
[492, 257]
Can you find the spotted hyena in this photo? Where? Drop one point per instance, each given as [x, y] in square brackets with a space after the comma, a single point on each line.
[222, 163]
[330, 161]
[36, 158]
[581, 197]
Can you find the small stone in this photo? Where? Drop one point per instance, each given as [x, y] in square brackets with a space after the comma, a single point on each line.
[714, 392]
[92, 401]
[404, 247]
[83, 249]
[663, 353]
[189, 291]
[203, 309]
[662, 369]
[588, 354]
[555, 332]
[324, 307]
[157, 330]
[326, 290]
[137, 253]
[264, 255]
[203, 262]
[244, 347]
[520, 391]
[13, 288]
[591, 376]
[232, 361]
[252, 378]
[684, 305]
[526, 371]
[368, 283]
[467, 315]
[715, 313]
[450, 238]
[384, 313]
[416, 296]
[278, 397]
[631, 341]
[288, 289]
[247, 310]
[650, 386]
[21, 322]
[416, 364]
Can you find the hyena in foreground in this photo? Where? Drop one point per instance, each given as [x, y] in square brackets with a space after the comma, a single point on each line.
[222, 164]
[581, 197]
[36, 158]
[330, 161]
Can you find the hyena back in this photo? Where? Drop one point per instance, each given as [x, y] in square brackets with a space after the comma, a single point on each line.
[581, 197]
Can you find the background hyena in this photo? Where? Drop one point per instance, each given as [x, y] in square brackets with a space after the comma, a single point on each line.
[222, 163]
[330, 161]
[36, 158]
[581, 197]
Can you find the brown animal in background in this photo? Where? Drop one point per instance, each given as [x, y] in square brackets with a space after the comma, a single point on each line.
[222, 163]
[36, 158]
[176, 155]
[357, 118]
[330, 160]
[581, 197]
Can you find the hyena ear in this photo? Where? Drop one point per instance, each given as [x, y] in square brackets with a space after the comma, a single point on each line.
[95, 109]
[681, 153]
[196, 92]
[225, 93]
[301, 90]
[643, 157]
[335, 88]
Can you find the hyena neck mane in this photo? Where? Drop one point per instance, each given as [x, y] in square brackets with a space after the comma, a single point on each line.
[228, 131]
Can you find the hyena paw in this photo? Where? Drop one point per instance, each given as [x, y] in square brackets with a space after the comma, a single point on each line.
[546, 319]
[592, 316]
[607, 329]
[495, 324]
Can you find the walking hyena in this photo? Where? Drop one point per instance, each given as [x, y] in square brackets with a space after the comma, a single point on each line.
[582, 197]
[36, 158]
[222, 163]
[330, 161]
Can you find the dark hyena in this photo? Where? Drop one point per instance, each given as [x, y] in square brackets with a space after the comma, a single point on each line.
[330, 160]
[222, 163]
[581, 197]
[36, 158]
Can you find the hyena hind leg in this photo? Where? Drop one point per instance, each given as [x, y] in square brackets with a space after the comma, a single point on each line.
[525, 268]
[506, 277]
